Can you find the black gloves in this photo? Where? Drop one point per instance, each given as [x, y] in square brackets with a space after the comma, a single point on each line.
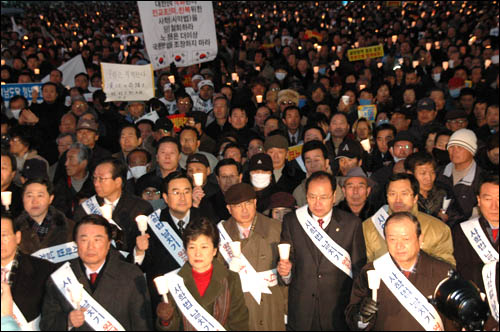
[368, 309]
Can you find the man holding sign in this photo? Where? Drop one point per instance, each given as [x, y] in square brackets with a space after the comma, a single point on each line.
[327, 251]
[408, 276]
[114, 296]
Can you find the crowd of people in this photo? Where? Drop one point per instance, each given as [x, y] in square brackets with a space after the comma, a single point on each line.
[273, 150]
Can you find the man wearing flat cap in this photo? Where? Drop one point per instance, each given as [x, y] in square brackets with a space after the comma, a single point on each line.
[287, 177]
[259, 237]
[426, 118]
[356, 187]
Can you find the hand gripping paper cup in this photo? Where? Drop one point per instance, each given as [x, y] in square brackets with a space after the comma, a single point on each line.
[284, 250]
[142, 223]
[373, 283]
[76, 293]
[6, 199]
[198, 179]
[162, 287]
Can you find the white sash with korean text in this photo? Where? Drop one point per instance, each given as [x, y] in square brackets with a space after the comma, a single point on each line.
[479, 241]
[252, 281]
[379, 219]
[18, 316]
[58, 254]
[168, 237]
[489, 275]
[407, 294]
[190, 308]
[91, 206]
[96, 316]
[337, 255]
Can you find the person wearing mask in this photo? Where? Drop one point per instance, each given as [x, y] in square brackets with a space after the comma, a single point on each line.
[320, 280]
[210, 283]
[461, 177]
[260, 173]
[69, 191]
[356, 188]
[117, 286]
[476, 243]
[109, 180]
[411, 267]
[24, 275]
[402, 196]
[139, 164]
[266, 302]
[152, 253]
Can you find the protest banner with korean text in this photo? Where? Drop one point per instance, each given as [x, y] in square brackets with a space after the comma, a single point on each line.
[127, 82]
[362, 53]
[9, 91]
[182, 32]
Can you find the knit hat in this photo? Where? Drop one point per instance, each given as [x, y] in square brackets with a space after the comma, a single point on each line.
[464, 138]
[276, 141]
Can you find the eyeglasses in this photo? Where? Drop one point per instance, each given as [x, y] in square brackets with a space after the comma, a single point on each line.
[255, 148]
[400, 146]
[151, 193]
[457, 121]
[287, 102]
[184, 102]
[99, 179]
[322, 198]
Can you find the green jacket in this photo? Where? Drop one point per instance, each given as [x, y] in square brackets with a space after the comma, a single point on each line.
[437, 238]
[234, 318]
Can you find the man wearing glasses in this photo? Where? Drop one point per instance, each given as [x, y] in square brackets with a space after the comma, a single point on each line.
[109, 179]
[153, 255]
[456, 119]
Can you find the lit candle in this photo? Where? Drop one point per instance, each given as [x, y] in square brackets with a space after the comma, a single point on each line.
[394, 38]
[337, 63]
[171, 79]
[415, 63]
[37, 71]
[257, 68]
[428, 46]
[379, 64]
[361, 87]
[445, 65]
[487, 63]
[316, 69]
[259, 99]
[234, 77]
[6, 197]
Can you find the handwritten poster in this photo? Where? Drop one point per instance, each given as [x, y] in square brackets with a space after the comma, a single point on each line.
[127, 82]
[182, 32]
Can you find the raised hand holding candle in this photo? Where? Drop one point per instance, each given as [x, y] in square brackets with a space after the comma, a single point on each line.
[162, 287]
[373, 283]
[198, 179]
[284, 250]
[142, 223]
[6, 199]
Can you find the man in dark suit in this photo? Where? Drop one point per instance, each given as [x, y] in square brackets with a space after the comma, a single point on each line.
[149, 253]
[117, 286]
[25, 274]
[320, 286]
[109, 181]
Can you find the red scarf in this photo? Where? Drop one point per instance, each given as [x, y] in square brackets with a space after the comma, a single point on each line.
[202, 280]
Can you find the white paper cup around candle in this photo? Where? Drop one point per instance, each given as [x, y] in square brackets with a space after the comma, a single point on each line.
[337, 62]
[142, 223]
[428, 46]
[162, 287]
[316, 69]
[259, 99]
[236, 248]
[415, 63]
[257, 68]
[234, 76]
[366, 145]
[171, 79]
[6, 199]
[198, 179]
[107, 211]
[76, 293]
[37, 71]
[373, 282]
[345, 99]
[284, 250]
[445, 65]
[446, 204]
[361, 87]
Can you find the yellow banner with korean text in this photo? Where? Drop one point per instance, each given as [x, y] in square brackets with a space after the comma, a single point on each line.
[362, 53]
[294, 151]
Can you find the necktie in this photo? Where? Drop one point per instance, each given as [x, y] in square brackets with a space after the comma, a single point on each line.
[180, 223]
[5, 271]
[93, 277]
[246, 232]
[293, 142]
[407, 274]
[320, 222]
[495, 234]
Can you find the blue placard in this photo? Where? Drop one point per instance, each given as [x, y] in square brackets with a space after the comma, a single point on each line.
[9, 91]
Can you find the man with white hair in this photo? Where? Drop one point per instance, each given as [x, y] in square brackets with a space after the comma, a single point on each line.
[461, 177]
